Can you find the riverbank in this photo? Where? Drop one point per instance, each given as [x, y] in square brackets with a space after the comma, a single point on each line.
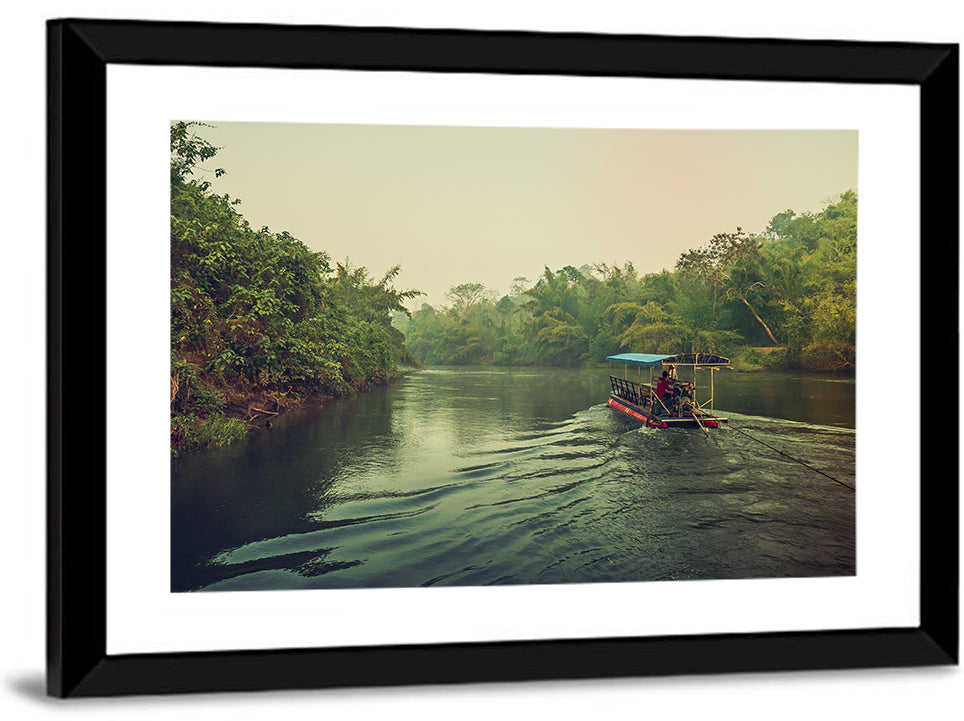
[222, 413]
[227, 414]
[783, 359]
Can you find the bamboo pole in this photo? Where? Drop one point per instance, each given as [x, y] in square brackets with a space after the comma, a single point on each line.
[701, 425]
[712, 388]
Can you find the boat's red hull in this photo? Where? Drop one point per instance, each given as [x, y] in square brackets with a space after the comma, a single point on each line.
[666, 422]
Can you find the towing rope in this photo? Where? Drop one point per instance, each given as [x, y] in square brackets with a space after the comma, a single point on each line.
[797, 460]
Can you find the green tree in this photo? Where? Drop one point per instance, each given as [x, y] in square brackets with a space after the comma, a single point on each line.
[559, 317]
[731, 264]
[258, 314]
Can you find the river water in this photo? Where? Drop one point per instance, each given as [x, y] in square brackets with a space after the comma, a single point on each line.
[475, 476]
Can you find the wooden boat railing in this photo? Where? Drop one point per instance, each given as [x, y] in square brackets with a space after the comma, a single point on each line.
[636, 393]
[641, 395]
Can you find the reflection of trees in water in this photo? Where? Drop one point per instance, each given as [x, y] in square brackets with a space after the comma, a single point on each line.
[499, 399]
[280, 482]
[410, 483]
[821, 400]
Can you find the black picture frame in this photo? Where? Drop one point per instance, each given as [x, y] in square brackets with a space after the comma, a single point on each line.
[79, 52]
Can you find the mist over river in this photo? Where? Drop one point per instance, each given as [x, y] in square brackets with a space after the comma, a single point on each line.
[476, 476]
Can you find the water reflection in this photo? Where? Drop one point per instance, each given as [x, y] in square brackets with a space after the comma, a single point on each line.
[468, 476]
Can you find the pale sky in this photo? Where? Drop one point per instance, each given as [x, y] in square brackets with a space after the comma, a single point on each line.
[455, 205]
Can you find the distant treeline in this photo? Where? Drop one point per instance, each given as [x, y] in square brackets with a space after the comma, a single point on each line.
[785, 298]
[259, 321]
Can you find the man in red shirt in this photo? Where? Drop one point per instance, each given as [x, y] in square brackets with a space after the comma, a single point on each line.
[664, 390]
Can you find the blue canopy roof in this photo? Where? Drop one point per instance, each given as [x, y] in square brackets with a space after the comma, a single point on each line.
[686, 359]
[638, 359]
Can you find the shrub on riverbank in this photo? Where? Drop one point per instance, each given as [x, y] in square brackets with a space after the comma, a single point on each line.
[189, 433]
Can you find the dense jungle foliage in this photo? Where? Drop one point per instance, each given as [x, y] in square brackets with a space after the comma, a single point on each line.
[259, 321]
[783, 299]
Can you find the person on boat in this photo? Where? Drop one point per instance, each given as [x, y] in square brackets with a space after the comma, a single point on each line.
[665, 390]
[680, 388]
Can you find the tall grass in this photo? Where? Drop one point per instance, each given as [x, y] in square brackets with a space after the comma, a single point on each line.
[189, 432]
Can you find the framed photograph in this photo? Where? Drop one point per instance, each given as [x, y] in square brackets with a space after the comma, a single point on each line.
[387, 149]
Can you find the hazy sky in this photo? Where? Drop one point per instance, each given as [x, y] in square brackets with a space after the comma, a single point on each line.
[454, 205]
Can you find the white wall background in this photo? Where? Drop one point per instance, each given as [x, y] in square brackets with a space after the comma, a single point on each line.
[923, 693]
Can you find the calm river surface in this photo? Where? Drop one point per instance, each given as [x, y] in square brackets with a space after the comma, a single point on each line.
[469, 476]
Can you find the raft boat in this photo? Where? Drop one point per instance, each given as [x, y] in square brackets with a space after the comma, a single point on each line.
[679, 407]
